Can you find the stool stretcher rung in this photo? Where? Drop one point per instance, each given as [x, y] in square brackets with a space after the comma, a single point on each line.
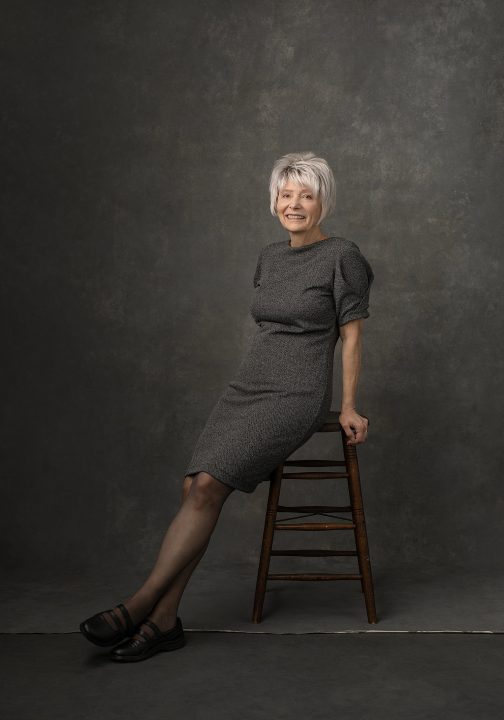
[314, 526]
[314, 508]
[316, 475]
[315, 553]
[298, 514]
[314, 576]
[315, 463]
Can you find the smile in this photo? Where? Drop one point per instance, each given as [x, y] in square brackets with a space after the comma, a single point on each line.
[296, 217]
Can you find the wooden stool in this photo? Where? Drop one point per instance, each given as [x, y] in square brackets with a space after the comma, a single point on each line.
[358, 524]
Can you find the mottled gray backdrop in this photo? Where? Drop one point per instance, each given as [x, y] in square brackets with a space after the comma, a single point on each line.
[138, 142]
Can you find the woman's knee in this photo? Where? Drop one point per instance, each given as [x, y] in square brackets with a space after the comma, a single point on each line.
[205, 489]
[186, 486]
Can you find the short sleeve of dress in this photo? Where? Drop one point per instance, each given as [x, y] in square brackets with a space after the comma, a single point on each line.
[353, 277]
[257, 274]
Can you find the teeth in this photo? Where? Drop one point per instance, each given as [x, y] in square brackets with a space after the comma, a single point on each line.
[296, 217]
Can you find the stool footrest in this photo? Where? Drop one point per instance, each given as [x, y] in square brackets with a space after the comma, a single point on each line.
[314, 526]
[316, 553]
[314, 508]
[314, 576]
[316, 475]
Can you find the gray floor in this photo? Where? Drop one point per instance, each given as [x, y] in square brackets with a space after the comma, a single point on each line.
[436, 652]
[235, 675]
[445, 599]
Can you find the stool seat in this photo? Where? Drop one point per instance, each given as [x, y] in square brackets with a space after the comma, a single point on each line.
[357, 524]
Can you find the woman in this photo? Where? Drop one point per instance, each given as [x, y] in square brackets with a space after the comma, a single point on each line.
[309, 290]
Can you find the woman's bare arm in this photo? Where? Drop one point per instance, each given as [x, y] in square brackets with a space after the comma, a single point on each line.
[354, 425]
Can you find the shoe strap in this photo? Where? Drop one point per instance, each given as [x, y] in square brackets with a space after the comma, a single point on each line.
[146, 636]
[127, 618]
[115, 619]
[153, 627]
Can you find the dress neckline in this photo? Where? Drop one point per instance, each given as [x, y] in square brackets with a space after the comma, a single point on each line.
[308, 245]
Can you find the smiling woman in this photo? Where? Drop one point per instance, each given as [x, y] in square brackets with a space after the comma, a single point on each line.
[305, 290]
[297, 207]
[302, 194]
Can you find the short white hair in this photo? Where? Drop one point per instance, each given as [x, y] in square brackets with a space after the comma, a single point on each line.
[305, 169]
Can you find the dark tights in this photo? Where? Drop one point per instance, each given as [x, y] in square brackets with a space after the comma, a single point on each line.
[184, 545]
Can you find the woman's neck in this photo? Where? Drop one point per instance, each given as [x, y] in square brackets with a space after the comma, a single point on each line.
[312, 235]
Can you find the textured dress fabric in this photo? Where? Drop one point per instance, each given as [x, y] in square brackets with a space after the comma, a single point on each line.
[282, 391]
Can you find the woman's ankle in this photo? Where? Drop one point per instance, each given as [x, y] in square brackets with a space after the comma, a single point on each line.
[139, 605]
[164, 619]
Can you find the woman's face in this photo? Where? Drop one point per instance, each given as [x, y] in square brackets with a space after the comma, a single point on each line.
[297, 207]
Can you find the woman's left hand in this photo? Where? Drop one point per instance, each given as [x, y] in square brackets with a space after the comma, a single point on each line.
[354, 425]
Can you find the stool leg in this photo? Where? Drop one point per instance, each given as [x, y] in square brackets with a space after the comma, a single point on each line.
[361, 540]
[267, 542]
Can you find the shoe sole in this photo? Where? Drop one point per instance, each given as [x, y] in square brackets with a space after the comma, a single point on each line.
[165, 646]
[96, 641]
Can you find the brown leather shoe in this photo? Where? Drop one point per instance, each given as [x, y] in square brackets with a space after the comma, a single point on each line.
[134, 649]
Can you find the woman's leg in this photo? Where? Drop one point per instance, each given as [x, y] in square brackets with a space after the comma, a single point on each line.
[164, 613]
[184, 545]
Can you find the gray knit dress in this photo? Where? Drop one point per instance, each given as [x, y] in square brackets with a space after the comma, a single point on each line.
[282, 390]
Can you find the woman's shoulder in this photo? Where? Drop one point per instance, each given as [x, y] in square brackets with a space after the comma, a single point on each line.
[344, 244]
